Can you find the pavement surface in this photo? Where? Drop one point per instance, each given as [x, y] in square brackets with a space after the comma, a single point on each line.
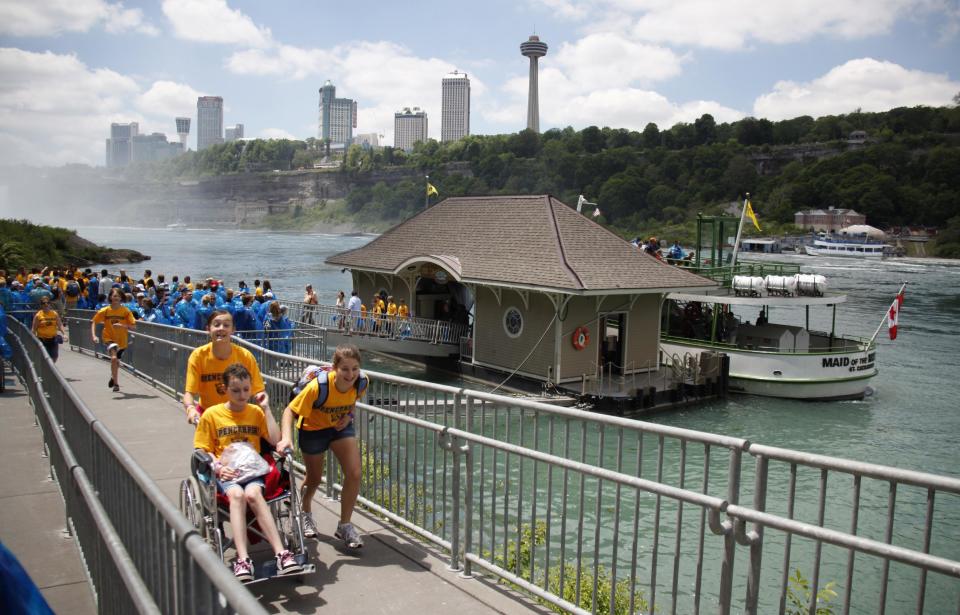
[32, 514]
[392, 573]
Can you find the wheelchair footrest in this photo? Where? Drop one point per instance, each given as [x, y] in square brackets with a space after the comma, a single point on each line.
[267, 569]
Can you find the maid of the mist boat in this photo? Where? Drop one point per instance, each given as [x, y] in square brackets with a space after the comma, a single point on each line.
[778, 354]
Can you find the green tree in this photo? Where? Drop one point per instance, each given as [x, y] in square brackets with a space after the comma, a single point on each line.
[651, 135]
[705, 129]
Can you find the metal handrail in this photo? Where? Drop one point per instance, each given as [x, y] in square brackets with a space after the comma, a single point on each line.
[410, 328]
[159, 576]
[475, 472]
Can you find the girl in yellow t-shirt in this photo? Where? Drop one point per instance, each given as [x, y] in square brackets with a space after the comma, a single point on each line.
[117, 319]
[46, 326]
[328, 423]
[205, 368]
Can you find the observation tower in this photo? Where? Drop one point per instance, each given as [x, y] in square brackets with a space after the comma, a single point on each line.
[534, 49]
[183, 130]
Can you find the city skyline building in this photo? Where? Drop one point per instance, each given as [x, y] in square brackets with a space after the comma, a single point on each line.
[534, 49]
[233, 133]
[183, 130]
[338, 116]
[152, 147]
[409, 127]
[119, 145]
[368, 139]
[455, 107]
[209, 121]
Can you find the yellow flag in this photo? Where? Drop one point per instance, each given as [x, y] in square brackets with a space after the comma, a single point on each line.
[752, 216]
[431, 190]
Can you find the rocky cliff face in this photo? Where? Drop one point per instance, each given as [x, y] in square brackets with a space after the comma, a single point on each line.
[86, 196]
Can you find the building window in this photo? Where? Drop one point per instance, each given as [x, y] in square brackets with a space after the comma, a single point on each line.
[512, 322]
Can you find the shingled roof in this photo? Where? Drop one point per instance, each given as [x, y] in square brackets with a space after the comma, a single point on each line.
[534, 242]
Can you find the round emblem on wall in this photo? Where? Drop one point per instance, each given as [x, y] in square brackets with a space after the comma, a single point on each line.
[440, 277]
[513, 322]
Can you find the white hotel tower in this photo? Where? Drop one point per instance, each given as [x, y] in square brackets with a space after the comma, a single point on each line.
[455, 107]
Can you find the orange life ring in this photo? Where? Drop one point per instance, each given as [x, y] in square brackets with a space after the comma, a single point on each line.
[581, 338]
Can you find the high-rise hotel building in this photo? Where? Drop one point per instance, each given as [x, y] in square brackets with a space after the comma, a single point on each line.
[209, 121]
[338, 116]
[455, 108]
[409, 127]
[120, 143]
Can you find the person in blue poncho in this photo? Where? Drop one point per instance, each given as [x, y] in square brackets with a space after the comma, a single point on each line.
[676, 252]
[244, 318]
[278, 329]
[207, 307]
[186, 310]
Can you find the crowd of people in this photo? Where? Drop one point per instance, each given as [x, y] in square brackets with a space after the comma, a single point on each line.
[177, 302]
[221, 381]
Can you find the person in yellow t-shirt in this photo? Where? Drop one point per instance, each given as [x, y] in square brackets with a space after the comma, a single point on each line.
[117, 319]
[47, 326]
[204, 387]
[391, 315]
[377, 309]
[328, 423]
[238, 421]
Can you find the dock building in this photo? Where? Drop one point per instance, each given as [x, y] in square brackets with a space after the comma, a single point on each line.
[552, 295]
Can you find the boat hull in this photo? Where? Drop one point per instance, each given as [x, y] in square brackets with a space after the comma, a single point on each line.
[807, 376]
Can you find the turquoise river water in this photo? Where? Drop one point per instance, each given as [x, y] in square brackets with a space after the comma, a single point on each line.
[910, 421]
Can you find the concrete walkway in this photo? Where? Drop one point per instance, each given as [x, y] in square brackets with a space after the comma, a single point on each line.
[391, 574]
[32, 515]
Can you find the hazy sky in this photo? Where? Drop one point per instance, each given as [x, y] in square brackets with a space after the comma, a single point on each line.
[68, 68]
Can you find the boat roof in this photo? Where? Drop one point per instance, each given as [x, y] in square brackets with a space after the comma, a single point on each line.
[727, 297]
[529, 242]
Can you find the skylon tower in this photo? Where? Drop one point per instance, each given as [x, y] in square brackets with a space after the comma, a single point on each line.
[534, 49]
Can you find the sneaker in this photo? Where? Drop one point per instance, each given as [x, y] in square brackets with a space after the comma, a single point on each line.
[349, 535]
[309, 526]
[116, 388]
[287, 563]
[243, 570]
[110, 384]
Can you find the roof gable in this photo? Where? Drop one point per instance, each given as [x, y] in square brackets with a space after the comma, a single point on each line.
[534, 241]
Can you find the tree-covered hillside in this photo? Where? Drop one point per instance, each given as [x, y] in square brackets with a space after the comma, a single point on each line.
[906, 171]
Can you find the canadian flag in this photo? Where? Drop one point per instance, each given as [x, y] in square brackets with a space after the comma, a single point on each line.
[893, 315]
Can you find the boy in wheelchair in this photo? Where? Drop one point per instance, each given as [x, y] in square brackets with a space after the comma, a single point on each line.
[232, 422]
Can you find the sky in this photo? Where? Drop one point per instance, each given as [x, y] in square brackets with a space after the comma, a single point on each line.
[68, 68]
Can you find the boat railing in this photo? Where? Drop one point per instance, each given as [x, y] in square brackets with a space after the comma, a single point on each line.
[861, 344]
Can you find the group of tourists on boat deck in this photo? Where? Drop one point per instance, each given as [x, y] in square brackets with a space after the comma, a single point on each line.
[655, 248]
[695, 320]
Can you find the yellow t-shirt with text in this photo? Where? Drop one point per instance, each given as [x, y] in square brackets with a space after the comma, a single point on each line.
[46, 324]
[334, 408]
[108, 316]
[205, 373]
[219, 427]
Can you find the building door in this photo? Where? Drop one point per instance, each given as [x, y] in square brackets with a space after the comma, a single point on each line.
[612, 334]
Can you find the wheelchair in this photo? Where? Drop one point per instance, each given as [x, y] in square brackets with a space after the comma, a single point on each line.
[207, 510]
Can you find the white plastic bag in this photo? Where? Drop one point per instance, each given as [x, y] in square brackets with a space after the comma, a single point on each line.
[245, 460]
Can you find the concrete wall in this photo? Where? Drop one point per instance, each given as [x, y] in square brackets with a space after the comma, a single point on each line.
[493, 347]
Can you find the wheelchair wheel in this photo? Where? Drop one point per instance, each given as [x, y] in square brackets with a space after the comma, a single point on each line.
[190, 504]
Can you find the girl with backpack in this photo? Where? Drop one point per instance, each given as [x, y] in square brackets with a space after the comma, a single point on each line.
[323, 411]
